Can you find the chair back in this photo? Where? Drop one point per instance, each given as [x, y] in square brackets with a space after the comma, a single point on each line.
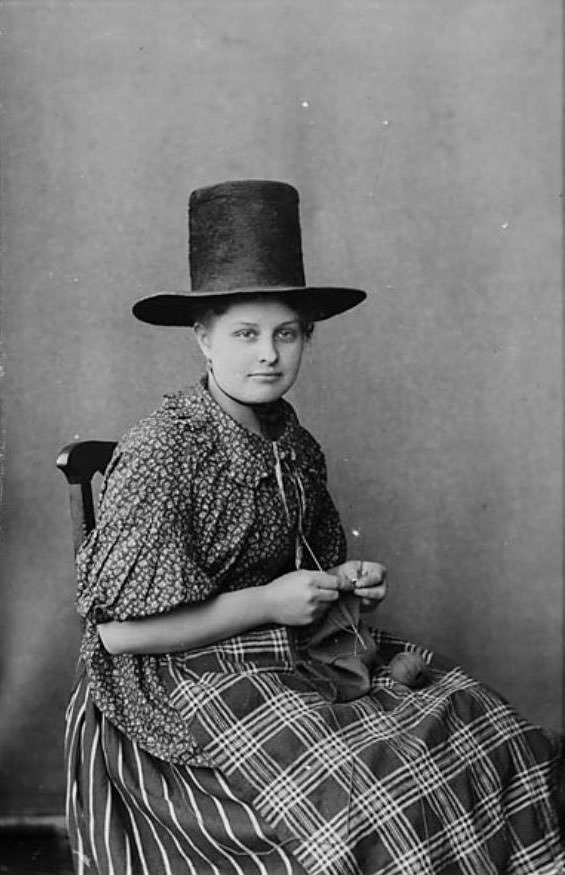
[79, 462]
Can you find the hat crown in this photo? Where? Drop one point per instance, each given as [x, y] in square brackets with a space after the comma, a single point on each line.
[244, 239]
[245, 234]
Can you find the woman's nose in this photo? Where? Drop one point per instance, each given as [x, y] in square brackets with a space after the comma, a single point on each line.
[268, 351]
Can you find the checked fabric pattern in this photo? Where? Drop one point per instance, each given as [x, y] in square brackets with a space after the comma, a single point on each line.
[442, 779]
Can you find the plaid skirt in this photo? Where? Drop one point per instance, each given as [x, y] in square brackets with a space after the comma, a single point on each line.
[443, 779]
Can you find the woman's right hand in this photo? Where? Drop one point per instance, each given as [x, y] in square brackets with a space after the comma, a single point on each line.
[300, 597]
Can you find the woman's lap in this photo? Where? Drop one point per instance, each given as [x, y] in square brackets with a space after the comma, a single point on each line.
[444, 778]
[452, 778]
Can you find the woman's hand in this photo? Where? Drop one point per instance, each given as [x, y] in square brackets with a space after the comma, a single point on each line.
[300, 597]
[367, 580]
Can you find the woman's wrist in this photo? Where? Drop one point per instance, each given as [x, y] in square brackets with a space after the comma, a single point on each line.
[253, 605]
[262, 604]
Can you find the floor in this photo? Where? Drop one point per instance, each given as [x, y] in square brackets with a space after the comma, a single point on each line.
[34, 850]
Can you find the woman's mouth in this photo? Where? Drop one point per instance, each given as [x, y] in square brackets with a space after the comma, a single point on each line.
[268, 377]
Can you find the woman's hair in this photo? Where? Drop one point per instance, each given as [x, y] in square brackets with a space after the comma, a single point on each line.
[222, 304]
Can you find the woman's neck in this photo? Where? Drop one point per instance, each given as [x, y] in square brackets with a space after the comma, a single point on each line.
[241, 412]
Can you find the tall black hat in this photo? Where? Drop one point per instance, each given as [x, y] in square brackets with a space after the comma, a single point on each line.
[244, 239]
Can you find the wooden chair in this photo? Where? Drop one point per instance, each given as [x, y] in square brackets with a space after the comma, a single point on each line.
[79, 462]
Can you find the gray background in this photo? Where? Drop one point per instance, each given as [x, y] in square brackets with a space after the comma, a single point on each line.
[424, 137]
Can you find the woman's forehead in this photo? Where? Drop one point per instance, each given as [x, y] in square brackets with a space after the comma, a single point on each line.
[260, 311]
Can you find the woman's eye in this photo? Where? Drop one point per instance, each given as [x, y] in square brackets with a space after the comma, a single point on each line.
[287, 333]
[246, 333]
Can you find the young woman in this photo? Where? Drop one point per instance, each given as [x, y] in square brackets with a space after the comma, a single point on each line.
[233, 712]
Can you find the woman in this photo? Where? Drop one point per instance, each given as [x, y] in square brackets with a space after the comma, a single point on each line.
[234, 713]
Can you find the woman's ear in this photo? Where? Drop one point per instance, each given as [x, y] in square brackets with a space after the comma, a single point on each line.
[202, 338]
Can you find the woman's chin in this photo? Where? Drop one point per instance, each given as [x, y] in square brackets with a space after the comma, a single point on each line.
[266, 397]
[265, 392]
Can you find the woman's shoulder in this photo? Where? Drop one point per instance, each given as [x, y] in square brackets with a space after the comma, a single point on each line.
[176, 428]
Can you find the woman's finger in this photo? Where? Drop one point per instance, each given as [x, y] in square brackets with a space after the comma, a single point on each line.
[327, 595]
[370, 581]
[346, 584]
[373, 593]
[327, 582]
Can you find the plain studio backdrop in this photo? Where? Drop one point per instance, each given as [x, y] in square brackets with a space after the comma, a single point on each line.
[424, 138]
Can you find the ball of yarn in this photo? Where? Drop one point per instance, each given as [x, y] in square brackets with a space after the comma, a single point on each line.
[408, 669]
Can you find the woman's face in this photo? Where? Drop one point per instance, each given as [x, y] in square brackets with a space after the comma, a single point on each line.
[254, 348]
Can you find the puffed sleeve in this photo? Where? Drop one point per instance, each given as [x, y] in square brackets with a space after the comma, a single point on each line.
[137, 561]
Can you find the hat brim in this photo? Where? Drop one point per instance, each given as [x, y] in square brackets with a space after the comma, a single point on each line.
[181, 308]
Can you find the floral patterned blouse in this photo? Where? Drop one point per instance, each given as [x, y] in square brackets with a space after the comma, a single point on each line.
[191, 507]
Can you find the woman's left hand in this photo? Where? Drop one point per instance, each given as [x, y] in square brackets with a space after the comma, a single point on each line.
[367, 580]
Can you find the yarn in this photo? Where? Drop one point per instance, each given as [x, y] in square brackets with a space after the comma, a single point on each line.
[408, 669]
